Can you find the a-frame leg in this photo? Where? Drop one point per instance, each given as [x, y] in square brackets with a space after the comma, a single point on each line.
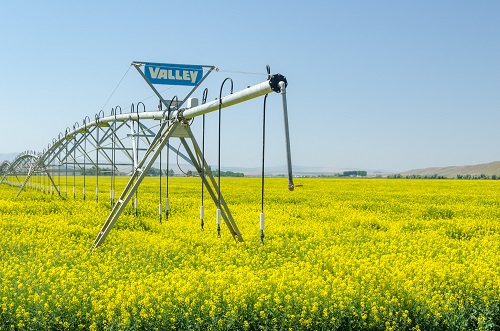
[135, 180]
[211, 185]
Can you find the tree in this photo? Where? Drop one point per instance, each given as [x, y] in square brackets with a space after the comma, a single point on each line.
[154, 171]
[228, 174]
[170, 172]
[354, 173]
[94, 170]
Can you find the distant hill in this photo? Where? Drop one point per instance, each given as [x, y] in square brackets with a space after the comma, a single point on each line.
[492, 168]
[298, 170]
[275, 171]
[302, 171]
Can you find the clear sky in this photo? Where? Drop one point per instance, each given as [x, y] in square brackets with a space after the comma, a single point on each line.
[381, 85]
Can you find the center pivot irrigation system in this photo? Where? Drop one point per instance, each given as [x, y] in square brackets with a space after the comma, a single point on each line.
[95, 143]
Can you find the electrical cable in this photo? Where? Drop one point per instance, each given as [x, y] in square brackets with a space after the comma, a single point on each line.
[136, 157]
[85, 158]
[74, 162]
[202, 208]
[97, 120]
[268, 69]
[177, 160]
[167, 201]
[218, 214]
[113, 157]
[126, 72]
[160, 208]
[262, 175]
[240, 72]
[66, 164]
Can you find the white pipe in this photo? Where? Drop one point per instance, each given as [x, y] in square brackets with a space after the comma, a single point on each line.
[229, 100]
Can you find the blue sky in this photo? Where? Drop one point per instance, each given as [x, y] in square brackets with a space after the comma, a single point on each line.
[389, 85]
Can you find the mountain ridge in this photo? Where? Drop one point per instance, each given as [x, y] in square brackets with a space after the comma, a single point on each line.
[488, 169]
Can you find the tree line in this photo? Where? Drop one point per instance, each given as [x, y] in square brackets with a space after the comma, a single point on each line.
[93, 171]
[436, 176]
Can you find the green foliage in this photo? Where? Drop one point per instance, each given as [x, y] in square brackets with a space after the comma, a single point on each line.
[354, 173]
[156, 172]
[228, 173]
[92, 171]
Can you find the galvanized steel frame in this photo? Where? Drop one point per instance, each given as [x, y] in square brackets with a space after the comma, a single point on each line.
[103, 135]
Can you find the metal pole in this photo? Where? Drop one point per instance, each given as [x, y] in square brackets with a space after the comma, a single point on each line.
[287, 137]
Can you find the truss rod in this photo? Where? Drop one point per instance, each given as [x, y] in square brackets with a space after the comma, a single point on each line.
[249, 93]
[139, 173]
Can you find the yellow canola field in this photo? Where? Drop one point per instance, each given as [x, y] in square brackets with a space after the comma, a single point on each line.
[339, 254]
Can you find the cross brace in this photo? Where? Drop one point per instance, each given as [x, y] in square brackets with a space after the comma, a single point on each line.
[179, 129]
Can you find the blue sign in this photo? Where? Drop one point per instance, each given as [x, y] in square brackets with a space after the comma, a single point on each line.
[173, 74]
